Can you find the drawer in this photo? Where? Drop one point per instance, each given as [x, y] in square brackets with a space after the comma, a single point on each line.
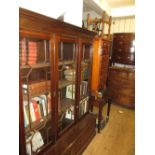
[124, 36]
[81, 141]
[121, 49]
[128, 58]
[123, 55]
[124, 44]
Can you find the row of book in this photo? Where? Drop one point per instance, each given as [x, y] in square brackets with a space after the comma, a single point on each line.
[38, 108]
[32, 52]
[28, 53]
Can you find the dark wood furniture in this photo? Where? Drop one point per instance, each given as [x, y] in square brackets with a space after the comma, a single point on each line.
[55, 86]
[101, 51]
[103, 103]
[122, 86]
[121, 73]
[100, 64]
[101, 54]
[123, 50]
[76, 139]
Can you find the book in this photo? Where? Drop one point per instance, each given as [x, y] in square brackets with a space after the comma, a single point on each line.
[33, 118]
[86, 104]
[83, 88]
[44, 103]
[28, 149]
[32, 52]
[34, 141]
[49, 102]
[36, 110]
[37, 141]
[70, 91]
[81, 108]
[68, 114]
[26, 114]
[41, 110]
[23, 52]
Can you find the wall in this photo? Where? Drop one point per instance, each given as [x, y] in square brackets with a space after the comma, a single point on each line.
[123, 11]
[69, 10]
[123, 24]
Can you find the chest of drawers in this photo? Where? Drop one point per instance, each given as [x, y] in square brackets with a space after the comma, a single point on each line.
[121, 81]
[123, 50]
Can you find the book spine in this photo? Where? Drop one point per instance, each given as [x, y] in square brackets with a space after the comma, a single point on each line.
[23, 54]
[49, 103]
[25, 118]
[32, 56]
[44, 106]
[32, 112]
[36, 110]
[70, 92]
[85, 106]
[41, 110]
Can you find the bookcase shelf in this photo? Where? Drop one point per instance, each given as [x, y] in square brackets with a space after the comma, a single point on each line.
[36, 88]
[37, 125]
[86, 61]
[83, 97]
[35, 66]
[64, 83]
[66, 62]
[55, 68]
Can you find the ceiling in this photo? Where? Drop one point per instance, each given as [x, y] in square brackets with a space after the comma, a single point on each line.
[109, 6]
[90, 5]
[120, 3]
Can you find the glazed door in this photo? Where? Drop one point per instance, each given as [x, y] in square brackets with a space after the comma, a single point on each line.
[85, 78]
[67, 66]
[36, 74]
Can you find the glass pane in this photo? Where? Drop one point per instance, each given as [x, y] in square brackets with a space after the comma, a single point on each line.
[36, 88]
[66, 51]
[85, 73]
[33, 51]
[67, 77]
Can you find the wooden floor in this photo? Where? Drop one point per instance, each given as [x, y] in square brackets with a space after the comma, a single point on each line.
[118, 136]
